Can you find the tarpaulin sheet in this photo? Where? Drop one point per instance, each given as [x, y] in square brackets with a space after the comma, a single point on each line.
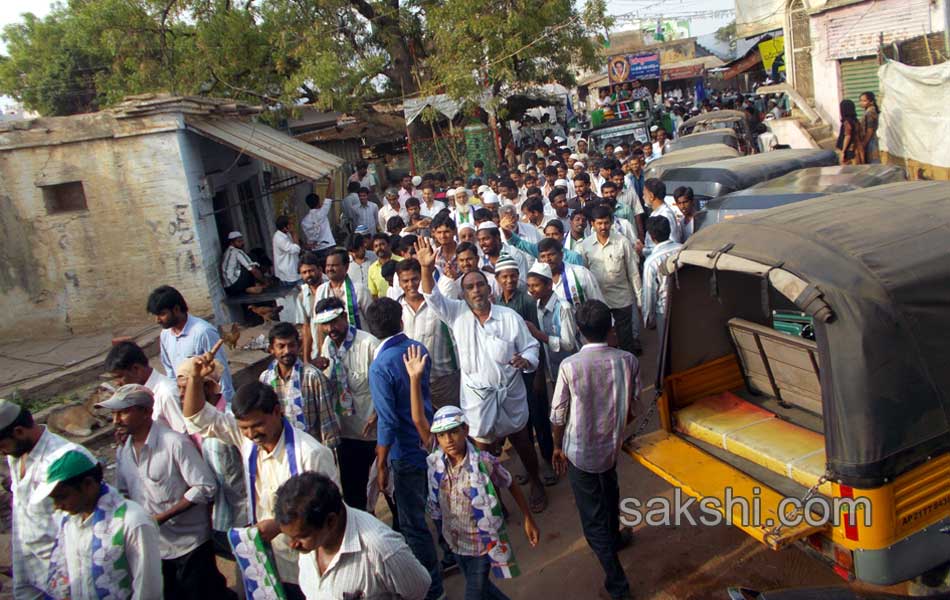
[915, 123]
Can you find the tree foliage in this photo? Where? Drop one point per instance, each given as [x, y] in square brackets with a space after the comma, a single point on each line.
[335, 54]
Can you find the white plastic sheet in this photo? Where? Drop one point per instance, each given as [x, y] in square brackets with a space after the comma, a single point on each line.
[915, 122]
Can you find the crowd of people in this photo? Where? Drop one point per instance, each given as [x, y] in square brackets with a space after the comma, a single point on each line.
[456, 316]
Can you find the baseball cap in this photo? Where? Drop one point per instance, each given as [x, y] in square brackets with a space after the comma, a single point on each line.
[234, 235]
[71, 461]
[128, 396]
[447, 418]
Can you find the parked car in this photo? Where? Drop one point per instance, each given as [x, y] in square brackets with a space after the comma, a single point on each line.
[850, 425]
[796, 186]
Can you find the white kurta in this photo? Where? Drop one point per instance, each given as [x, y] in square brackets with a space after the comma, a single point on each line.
[493, 395]
[34, 523]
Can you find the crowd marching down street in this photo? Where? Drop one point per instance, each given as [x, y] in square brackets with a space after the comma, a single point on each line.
[454, 314]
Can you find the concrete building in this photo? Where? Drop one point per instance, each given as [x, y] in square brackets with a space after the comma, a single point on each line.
[96, 210]
[831, 46]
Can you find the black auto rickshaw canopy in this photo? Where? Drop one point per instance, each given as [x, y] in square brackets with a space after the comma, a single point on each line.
[689, 156]
[713, 179]
[873, 268]
[727, 137]
[714, 119]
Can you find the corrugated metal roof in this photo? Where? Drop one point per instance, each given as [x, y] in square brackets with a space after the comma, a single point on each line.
[267, 144]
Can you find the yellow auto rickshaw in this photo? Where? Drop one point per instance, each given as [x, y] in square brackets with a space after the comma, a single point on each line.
[842, 439]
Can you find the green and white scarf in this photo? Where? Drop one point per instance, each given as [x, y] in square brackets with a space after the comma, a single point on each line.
[486, 508]
[110, 566]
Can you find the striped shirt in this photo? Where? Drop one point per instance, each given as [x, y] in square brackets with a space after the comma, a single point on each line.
[594, 391]
[459, 527]
[373, 562]
[233, 262]
[655, 283]
[34, 524]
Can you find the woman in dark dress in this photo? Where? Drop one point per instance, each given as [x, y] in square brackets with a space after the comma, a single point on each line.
[849, 135]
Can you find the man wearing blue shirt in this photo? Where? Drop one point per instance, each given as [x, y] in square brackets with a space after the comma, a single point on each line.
[184, 335]
[398, 445]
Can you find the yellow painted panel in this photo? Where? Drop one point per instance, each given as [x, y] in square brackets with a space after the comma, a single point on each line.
[701, 475]
[775, 445]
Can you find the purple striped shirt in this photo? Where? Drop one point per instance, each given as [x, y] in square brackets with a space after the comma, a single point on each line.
[594, 390]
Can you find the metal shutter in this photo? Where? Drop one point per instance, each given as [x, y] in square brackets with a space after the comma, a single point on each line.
[859, 76]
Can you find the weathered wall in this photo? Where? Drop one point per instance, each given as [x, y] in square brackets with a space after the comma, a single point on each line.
[90, 270]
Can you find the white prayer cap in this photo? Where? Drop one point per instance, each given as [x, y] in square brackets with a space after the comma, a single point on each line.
[541, 270]
[234, 235]
[579, 140]
[579, 163]
[461, 190]
[487, 225]
[564, 183]
[654, 129]
[416, 180]
[449, 193]
[466, 226]
[483, 188]
[490, 197]
[573, 156]
[618, 150]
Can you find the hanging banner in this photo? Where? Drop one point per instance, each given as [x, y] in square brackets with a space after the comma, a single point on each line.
[690, 72]
[627, 67]
[771, 50]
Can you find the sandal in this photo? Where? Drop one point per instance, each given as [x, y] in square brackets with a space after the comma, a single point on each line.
[548, 476]
[538, 500]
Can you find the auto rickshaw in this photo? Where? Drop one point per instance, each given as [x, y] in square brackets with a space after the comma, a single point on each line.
[839, 426]
[694, 141]
[714, 179]
[796, 186]
[689, 156]
[736, 120]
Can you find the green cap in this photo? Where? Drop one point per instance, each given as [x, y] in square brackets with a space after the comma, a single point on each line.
[73, 460]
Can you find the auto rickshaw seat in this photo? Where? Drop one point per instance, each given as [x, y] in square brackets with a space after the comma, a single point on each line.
[755, 434]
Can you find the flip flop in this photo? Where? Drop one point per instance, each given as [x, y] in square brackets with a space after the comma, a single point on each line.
[538, 500]
[548, 476]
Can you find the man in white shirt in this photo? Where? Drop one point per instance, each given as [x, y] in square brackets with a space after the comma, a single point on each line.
[239, 273]
[365, 213]
[662, 145]
[654, 194]
[392, 207]
[407, 190]
[364, 177]
[127, 364]
[430, 207]
[343, 551]
[345, 358]
[494, 348]
[316, 223]
[655, 280]
[162, 471]
[30, 448]
[271, 448]
[421, 323]
[89, 560]
[573, 284]
[286, 252]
